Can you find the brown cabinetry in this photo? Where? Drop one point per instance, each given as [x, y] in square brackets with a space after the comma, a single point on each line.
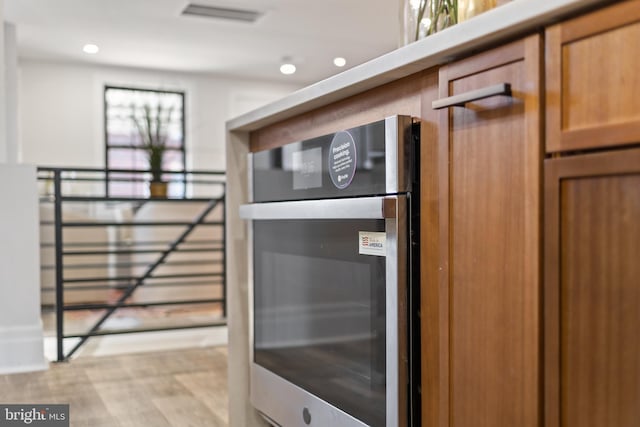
[593, 80]
[486, 370]
[592, 290]
[592, 221]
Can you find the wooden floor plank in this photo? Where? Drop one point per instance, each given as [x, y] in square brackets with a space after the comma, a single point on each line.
[187, 411]
[210, 389]
[178, 388]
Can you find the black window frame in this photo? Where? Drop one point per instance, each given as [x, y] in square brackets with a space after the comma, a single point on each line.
[108, 146]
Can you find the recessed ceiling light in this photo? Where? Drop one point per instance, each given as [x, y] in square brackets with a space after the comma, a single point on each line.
[339, 61]
[90, 48]
[287, 68]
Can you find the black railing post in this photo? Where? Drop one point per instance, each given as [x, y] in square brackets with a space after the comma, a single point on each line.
[57, 192]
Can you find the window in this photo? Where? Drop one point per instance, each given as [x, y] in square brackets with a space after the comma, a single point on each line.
[124, 148]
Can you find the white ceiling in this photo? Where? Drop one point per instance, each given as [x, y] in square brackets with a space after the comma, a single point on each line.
[153, 34]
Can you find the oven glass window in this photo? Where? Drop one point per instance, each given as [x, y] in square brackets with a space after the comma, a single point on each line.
[320, 311]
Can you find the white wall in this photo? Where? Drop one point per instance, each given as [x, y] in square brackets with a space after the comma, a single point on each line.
[3, 136]
[21, 342]
[62, 111]
[11, 92]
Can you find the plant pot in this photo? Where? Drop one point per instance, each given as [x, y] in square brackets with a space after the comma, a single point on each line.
[467, 9]
[158, 189]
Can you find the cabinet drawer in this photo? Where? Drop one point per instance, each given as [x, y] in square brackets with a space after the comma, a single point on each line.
[593, 83]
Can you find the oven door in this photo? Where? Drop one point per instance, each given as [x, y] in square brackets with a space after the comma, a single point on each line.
[330, 279]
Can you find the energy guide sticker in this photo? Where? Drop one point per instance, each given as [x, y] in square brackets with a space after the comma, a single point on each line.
[372, 243]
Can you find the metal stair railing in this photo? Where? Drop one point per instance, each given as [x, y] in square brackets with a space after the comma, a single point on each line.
[147, 274]
[130, 283]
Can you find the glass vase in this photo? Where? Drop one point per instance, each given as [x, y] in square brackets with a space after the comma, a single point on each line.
[426, 17]
[469, 8]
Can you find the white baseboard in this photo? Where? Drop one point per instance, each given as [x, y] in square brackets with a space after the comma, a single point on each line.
[112, 345]
[22, 349]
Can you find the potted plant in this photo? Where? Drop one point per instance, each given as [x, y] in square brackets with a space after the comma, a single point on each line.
[151, 126]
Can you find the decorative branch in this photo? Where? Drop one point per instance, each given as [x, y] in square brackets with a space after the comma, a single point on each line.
[447, 10]
[153, 141]
[421, 9]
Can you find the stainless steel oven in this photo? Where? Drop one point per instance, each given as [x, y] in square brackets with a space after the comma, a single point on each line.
[334, 283]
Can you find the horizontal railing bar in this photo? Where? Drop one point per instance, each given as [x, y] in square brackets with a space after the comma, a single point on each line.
[139, 251]
[186, 242]
[194, 250]
[111, 179]
[136, 243]
[132, 264]
[187, 262]
[134, 331]
[99, 279]
[141, 148]
[182, 171]
[148, 285]
[198, 181]
[151, 285]
[130, 223]
[122, 278]
[181, 179]
[77, 307]
[135, 199]
[94, 266]
[138, 224]
[114, 252]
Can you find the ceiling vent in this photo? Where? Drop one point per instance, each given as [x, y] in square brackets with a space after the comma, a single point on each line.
[221, 13]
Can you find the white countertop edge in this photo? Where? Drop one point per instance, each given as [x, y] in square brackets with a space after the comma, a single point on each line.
[499, 24]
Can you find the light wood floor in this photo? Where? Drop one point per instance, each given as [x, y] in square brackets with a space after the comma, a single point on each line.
[182, 388]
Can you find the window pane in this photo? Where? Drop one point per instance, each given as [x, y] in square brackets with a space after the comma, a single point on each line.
[133, 117]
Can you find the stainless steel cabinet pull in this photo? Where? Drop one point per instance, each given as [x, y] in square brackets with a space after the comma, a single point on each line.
[473, 95]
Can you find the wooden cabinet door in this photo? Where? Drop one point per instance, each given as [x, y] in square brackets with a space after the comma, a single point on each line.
[490, 184]
[592, 290]
[593, 79]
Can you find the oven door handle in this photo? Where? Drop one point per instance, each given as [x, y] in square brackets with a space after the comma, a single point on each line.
[357, 208]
